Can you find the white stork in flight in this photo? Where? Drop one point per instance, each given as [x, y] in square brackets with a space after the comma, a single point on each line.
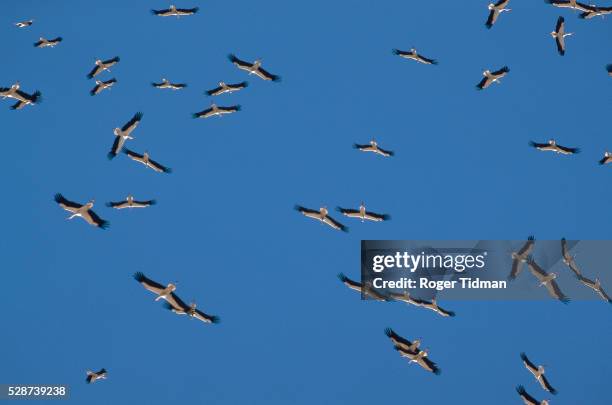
[412, 54]
[528, 399]
[101, 66]
[223, 88]
[102, 85]
[606, 159]
[552, 146]
[165, 84]
[215, 110]
[407, 298]
[548, 280]
[123, 134]
[92, 377]
[362, 214]
[253, 68]
[24, 24]
[129, 202]
[520, 257]
[495, 9]
[492, 77]
[568, 259]
[401, 342]
[79, 210]
[374, 148]
[22, 97]
[147, 161]
[47, 43]
[538, 373]
[177, 306]
[172, 11]
[573, 4]
[559, 35]
[322, 214]
[365, 290]
[609, 69]
[594, 11]
[161, 292]
[596, 286]
[421, 358]
[433, 305]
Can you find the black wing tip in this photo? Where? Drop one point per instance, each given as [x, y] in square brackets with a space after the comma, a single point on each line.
[560, 19]
[58, 197]
[215, 319]
[395, 51]
[233, 58]
[298, 208]
[437, 371]
[111, 155]
[389, 332]
[434, 62]
[195, 115]
[531, 237]
[521, 390]
[523, 356]
[152, 202]
[109, 204]
[237, 107]
[342, 277]
[276, 78]
[553, 391]
[104, 224]
[167, 170]
[609, 67]
[386, 217]
[244, 84]
[488, 25]
[533, 144]
[139, 276]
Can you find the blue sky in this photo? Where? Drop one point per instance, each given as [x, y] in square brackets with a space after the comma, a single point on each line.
[224, 227]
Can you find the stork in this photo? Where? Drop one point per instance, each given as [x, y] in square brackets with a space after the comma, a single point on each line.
[596, 286]
[47, 43]
[492, 77]
[22, 97]
[253, 68]
[433, 305]
[520, 257]
[572, 4]
[373, 147]
[166, 84]
[177, 306]
[123, 134]
[173, 11]
[129, 202]
[215, 110]
[102, 85]
[421, 358]
[538, 373]
[606, 159]
[322, 214]
[147, 161]
[548, 280]
[401, 342]
[24, 24]
[161, 292]
[412, 54]
[223, 88]
[568, 259]
[102, 65]
[81, 210]
[365, 290]
[362, 214]
[407, 298]
[552, 146]
[495, 9]
[92, 377]
[559, 35]
[594, 11]
[528, 399]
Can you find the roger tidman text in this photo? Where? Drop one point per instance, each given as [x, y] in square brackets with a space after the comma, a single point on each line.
[411, 262]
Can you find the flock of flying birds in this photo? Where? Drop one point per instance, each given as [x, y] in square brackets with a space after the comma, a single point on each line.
[407, 349]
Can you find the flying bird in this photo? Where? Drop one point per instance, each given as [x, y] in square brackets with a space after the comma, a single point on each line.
[24, 24]
[102, 65]
[93, 377]
[568, 259]
[528, 399]
[215, 110]
[22, 97]
[123, 134]
[495, 9]
[79, 210]
[172, 11]
[573, 4]
[520, 257]
[412, 54]
[253, 68]
[322, 215]
[373, 147]
[433, 305]
[552, 146]
[559, 35]
[596, 286]
[607, 158]
[177, 306]
[129, 202]
[401, 342]
[161, 292]
[362, 214]
[223, 88]
[47, 43]
[365, 290]
[165, 84]
[538, 373]
[147, 161]
[594, 11]
[492, 77]
[407, 298]
[421, 358]
[548, 280]
[100, 86]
